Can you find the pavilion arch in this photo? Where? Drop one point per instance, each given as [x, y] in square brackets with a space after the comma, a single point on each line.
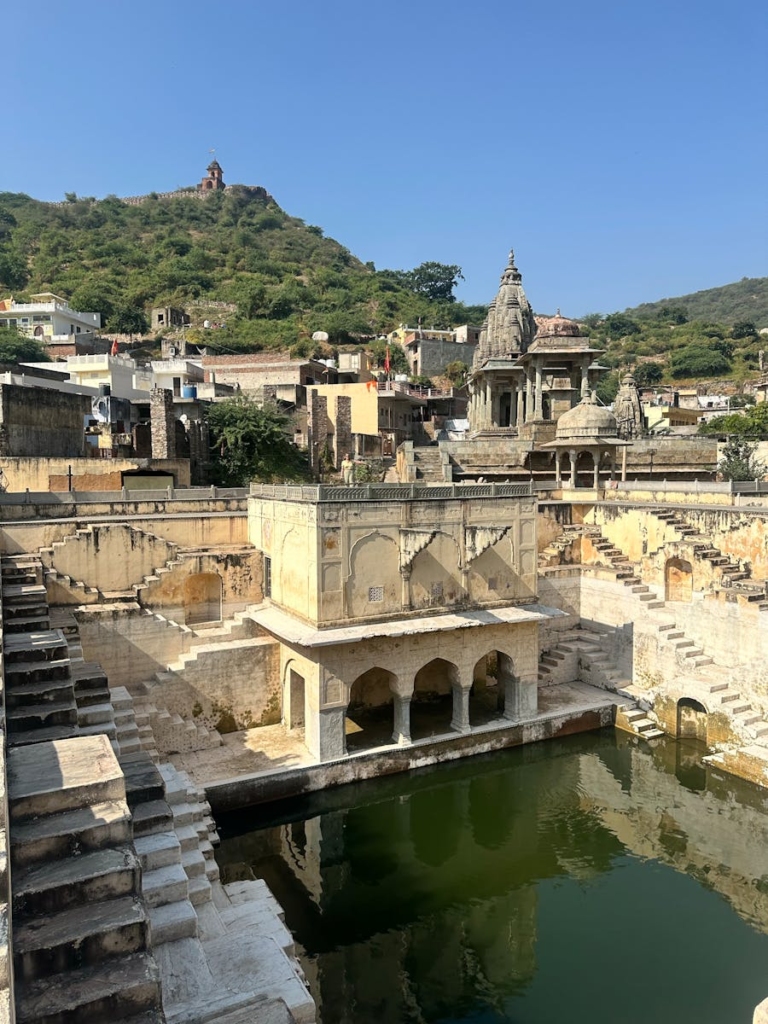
[202, 598]
[692, 719]
[436, 687]
[495, 687]
[436, 580]
[678, 580]
[294, 696]
[371, 709]
[373, 585]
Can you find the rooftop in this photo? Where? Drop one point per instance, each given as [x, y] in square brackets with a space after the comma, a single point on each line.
[388, 492]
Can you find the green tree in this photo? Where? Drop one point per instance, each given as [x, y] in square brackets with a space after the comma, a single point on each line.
[743, 329]
[17, 348]
[457, 373]
[618, 325]
[128, 320]
[752, 423]
[436, 281]
[251, 442]
[608, 388]
[648, 374]
[738, 460]
[698, 361]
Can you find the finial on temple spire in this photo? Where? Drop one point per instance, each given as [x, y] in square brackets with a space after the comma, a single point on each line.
[511, 257]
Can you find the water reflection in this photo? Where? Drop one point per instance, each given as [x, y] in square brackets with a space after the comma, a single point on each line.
[447, 895]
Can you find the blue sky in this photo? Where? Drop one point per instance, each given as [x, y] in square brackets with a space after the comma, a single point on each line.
[619, 146]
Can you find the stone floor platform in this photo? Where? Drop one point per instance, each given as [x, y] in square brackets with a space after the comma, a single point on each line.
[563, 709]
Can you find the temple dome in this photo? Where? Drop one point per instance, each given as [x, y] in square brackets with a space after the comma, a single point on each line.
[557, 326]
[586, 421]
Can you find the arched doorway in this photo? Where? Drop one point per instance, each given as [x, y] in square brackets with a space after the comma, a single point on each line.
[691, 720]
[202, 598]
[432, 701]
[370, 714]
[678, 580]
[495, 689]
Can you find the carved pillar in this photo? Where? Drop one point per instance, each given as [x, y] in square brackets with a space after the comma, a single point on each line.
[405, 588]
[557, 467]
[520, 405]
[460, 719]
[573, 455]
[596, 460]
[539, 403]
[488, 405]
[402, 730]
[529, 410]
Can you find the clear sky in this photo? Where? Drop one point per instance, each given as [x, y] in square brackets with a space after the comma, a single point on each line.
[619, 146]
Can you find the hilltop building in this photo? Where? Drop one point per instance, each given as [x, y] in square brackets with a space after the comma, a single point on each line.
[48, 318]
[214, 179]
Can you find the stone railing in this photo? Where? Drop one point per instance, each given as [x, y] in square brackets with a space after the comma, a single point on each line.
[389, 492]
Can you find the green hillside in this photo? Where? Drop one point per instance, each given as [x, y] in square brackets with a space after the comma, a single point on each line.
[746, 299]
[239, 246]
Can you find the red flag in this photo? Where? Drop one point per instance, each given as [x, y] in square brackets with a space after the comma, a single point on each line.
[386, 361]
[114, 348]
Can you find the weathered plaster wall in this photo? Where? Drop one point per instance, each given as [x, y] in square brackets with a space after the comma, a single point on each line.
[43, 473]
[42, 422]
[336, 562]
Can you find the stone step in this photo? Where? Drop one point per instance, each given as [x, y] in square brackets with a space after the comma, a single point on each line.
[730, 698]
[652, 734]
[740, 709]
[129, 745]
[152, 816]
[27, 623]
[186, 813]
[87, 698]
[100, 729]
[70, 939]
[143, 782]
[30, 671]
[164, 885]
[76, 881]
[61, 776]
[38, 692]
[173, 921]
[655, 604]
[17, 594]
[193, 863]
[54, 733]
[199, 891]
[643, 725]
[158, 850]
[188, 837]
[116, 990]
[56, 836]
[94, 714]
[41, 645]
[41, 716]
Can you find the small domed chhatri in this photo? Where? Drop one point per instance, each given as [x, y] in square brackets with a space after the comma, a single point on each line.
[588, 436]
[557, 327]
[586, 420]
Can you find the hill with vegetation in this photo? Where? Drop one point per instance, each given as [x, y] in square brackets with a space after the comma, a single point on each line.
[238, 246]
[746, 299]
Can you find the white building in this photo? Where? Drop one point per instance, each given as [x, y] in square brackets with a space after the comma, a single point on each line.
[47, 318]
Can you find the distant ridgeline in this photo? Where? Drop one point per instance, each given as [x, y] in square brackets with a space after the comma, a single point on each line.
[187, 192]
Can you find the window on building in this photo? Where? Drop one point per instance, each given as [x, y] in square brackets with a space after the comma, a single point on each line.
[177, 386]
[375, 595]
[267, 588]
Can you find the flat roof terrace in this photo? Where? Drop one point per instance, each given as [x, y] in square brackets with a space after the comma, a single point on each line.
[314, 493]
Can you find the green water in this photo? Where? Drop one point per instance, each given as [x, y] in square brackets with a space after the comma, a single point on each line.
[581, 880]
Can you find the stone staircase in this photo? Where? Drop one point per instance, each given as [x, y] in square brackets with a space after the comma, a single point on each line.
[70, 847]
[428, 464]
[731, 570]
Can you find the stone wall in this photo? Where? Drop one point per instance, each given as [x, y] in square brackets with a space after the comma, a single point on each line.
[318, 430]
[342, 436]
[42, 422]
[44, 475]
[163, 421]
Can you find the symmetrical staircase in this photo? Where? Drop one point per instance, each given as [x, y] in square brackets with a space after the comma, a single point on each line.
[428, 463]
[730, 568]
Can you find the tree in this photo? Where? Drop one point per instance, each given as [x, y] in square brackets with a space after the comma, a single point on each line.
[608, 388]
[619, 326]
[743, 329]
[738, 461]
[435, 281]
[698, 361]
[752, 423]
[457, 373]
[17, 348]
[128, 320]
[250, 442]
[648, 374]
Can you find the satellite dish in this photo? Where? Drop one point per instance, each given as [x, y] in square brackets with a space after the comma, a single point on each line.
[320, 336]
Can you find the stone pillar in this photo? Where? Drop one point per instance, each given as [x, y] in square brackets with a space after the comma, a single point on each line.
[342, 438]
[405, 588]
[529, 410]
[520, 405]
[317, 429]
[402, 731]
[572, 455]
[596, 460]
[488, 409]
[163, 424]
[585, 377]
[460, 719]
[538, 397]
[558, 479]
[508, 683]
